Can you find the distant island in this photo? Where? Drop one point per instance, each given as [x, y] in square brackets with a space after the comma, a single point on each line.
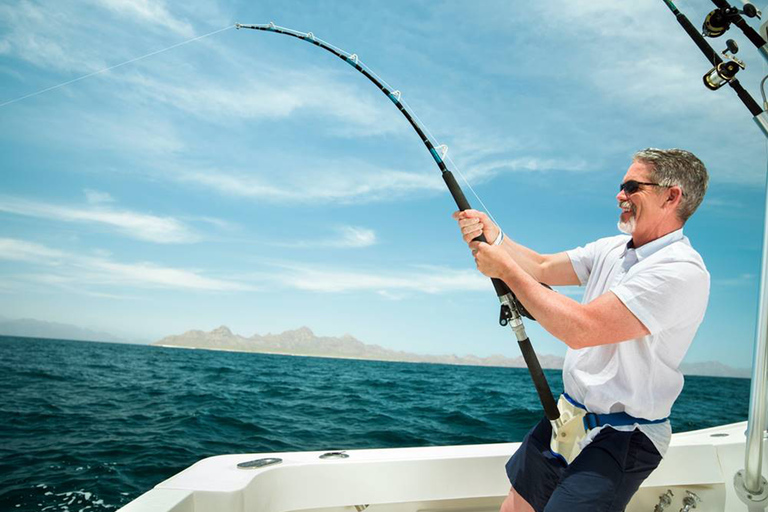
[31, 328]
[303, 342]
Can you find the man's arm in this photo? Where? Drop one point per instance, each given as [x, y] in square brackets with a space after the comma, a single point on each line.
[603, 321]
[552, 269]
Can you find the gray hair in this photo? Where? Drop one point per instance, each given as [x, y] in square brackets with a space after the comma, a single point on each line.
[677, 167]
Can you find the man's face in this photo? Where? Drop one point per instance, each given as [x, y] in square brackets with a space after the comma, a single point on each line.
[642, 210]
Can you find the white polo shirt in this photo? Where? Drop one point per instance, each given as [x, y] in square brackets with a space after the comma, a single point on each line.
[665, 285]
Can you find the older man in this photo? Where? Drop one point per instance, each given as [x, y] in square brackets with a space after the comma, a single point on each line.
[645, 295]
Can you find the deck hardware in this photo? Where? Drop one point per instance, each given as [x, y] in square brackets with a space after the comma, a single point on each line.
[690, 501]
[360, 508]
[750, 498]
[259, 463]
[335, 455]
[665, 500]
[719, 434]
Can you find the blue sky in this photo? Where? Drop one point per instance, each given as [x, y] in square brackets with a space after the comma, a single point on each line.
[252, 180]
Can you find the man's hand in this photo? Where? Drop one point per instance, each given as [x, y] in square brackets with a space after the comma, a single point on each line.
[491, 260]
[472, 223]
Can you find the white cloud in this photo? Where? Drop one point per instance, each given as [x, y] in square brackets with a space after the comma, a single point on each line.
[101, 271]
[148, 11]
[97, 197]
[149, 274]
[20, 250]
[355, 181]
[277, 93]
[486, 170]
[348, 181]
[424, 279]
[150, 228]
[69, 36]
[750, 280]
[346, 237]
[352, 236]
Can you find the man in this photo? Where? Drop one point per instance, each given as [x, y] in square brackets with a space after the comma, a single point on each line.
[645, 295]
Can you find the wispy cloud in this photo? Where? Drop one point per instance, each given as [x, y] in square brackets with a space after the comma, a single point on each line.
[67, 36]
[20, 250]
[348, 181]
[740, 280]
[146, 227]
[487, 170]
[97, 197]
[101, 271]
[421, 279]
[345, 237]
[272, 93]
[356, 181]
[353, 236]
[148, 11]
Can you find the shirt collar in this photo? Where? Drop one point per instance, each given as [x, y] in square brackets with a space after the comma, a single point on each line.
[654, 245]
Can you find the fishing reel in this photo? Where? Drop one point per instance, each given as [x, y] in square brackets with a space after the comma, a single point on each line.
[726, 71]
[512, 308]
[719, 21]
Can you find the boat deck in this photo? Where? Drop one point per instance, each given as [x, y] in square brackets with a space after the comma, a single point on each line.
[450, 478]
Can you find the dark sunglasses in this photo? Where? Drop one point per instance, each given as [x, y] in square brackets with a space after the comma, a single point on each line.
[631, 186]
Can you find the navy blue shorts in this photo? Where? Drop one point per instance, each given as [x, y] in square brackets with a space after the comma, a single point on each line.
[603, 478]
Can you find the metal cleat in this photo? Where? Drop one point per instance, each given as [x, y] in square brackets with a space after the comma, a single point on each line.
[665, 500]
[690, 501]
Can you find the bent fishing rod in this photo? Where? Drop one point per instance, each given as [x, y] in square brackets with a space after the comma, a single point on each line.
[512, 310]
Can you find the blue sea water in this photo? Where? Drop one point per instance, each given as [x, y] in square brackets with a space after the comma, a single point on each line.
[91, 426]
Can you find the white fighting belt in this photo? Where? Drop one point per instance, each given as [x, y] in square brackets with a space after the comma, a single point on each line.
[568, 430]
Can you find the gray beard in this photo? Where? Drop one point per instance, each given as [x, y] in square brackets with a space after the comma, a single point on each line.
[627, 227]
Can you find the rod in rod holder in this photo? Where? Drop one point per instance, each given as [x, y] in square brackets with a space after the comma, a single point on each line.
[749, 483]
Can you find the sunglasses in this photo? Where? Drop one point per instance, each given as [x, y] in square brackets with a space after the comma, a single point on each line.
[631, 186]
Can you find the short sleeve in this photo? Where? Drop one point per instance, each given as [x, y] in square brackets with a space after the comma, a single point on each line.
[666, 294]
[583, 258]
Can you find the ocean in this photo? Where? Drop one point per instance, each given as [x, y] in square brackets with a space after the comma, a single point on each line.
[90, 426]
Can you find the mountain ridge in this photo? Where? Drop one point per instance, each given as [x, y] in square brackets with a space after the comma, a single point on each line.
[303, 342]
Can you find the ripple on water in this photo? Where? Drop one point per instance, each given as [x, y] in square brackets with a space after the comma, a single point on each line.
[90, 426]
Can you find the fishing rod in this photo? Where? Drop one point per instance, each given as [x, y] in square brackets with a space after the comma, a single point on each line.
[512, 310]
[724, 71]
[750, 486]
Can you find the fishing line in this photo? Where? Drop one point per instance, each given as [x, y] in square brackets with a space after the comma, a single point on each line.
[428, 132]
[511, 309]
[404, 102]
[453, 164]
[116, 66]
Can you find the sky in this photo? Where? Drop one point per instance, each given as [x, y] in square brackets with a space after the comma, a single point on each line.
[252, 180]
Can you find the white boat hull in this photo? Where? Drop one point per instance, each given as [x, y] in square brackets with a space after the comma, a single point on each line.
[450, 478]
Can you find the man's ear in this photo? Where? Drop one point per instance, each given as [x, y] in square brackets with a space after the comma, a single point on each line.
[674, 194]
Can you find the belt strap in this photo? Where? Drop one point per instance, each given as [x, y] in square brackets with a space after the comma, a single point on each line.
[617, 419]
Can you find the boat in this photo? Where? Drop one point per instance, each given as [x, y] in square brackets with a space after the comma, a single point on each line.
[698, 471]
[715, 469]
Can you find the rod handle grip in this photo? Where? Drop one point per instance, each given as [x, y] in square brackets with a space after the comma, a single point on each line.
[461, 201]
